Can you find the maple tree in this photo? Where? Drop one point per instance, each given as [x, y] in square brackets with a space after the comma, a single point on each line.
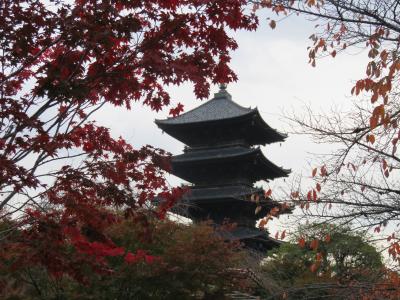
[61, 174]
[357, 183]
[186, 260]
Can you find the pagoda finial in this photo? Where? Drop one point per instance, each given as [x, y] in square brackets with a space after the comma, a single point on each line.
[222, 93]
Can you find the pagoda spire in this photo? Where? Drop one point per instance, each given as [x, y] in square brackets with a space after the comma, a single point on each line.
[222, 93]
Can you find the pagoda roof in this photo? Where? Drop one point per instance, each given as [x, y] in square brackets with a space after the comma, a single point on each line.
[213, 154]
[239, 192]
[241, 232]
[236, 192]
[219, 109]
[247, 233]
[264, 168]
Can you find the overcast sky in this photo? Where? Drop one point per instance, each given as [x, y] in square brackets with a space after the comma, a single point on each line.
[274, 75]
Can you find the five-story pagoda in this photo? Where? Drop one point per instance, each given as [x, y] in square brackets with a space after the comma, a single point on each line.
[222, 163]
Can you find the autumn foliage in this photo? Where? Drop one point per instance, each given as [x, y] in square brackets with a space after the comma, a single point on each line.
[62, 175]
[186, 261]
[357, 182]
[329, 262]
[66, 184]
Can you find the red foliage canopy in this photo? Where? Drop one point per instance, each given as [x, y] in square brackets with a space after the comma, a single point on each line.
[61, 62]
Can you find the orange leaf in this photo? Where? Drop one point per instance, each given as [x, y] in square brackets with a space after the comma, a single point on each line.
[313, 268]
[263, 223]
[373, 122]
[277, 235]
[319, 256]
[321, 43]
[283, 234]
[379, 111]
[272, 24]
[327, 238]
[274, 211]
[314, 244]
[384, 55]
[374, 97]
[371, 138]
[311, 2]
[314, 195]
[295, 194]
[318, 186]
[314, 172]
[324, 172]
[302, 242]
[384, 164]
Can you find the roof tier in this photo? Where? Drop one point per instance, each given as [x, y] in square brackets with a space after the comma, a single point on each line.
[234, 202]
[252, 237]
[225, 165]
[221, 193]
[220, 121]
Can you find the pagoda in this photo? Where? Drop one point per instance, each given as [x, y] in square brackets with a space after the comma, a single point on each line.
[222, 160]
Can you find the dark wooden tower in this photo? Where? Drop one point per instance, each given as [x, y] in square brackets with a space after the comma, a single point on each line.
[222, 162]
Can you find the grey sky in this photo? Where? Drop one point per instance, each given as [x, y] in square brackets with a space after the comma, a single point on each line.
[274, 75]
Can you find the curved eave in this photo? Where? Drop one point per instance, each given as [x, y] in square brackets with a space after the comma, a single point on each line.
[270, 166]
[259, 132]
[264, 170]
[270, 135]
[211, 155]
[246, 233]
[240, 233]
[221, 107]
[166, 124]
[229, 194]
[254, 234]
[185, 132]
[205, 194]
